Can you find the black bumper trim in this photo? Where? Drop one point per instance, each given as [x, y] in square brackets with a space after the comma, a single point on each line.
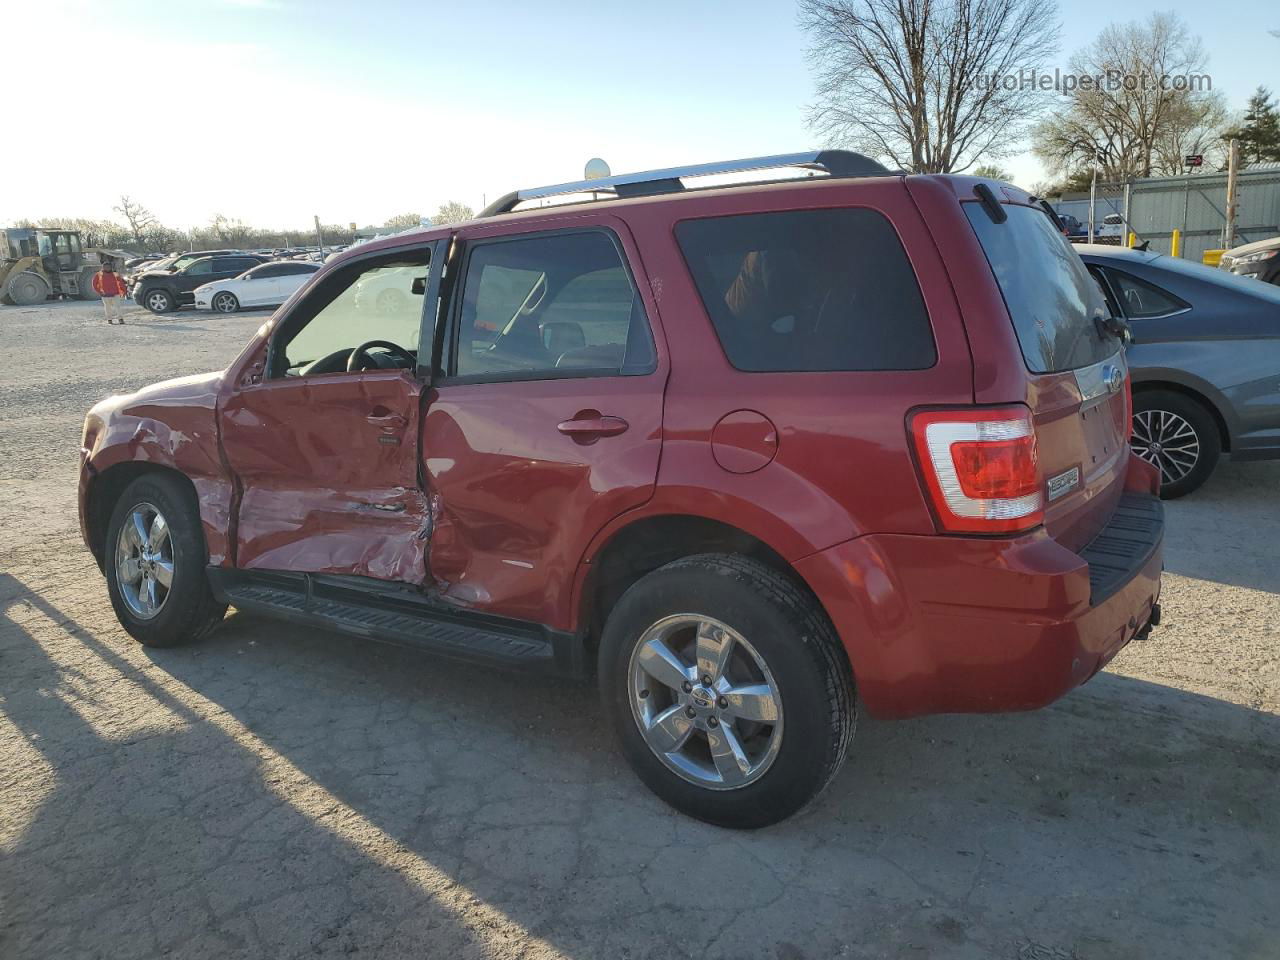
[1124, 546]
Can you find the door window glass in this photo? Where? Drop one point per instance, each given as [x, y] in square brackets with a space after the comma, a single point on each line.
[551, 306]
[380, 302]
[1140, 299]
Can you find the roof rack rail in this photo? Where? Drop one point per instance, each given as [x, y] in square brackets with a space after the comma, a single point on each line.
[834, 163]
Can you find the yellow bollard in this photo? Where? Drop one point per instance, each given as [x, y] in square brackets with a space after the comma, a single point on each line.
[1175, 245]
[1133, 239]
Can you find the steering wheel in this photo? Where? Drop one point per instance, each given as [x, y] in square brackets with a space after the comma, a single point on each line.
[361, 352]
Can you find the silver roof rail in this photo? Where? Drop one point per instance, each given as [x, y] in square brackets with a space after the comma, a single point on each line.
[834, 163]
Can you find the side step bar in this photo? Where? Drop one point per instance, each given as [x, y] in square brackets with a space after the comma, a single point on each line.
[399, 615]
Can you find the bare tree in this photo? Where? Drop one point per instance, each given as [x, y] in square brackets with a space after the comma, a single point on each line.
[930, 85]
[403, 221]
[452, 212]
[1148, 112]
[138, 217]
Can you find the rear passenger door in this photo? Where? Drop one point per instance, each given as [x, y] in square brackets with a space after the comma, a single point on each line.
[545, 418]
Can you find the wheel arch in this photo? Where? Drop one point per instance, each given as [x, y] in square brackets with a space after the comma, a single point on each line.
[646, 543]
[1200, 396]
[107, 488]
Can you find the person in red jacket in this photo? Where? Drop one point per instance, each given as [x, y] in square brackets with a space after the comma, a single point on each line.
[110, 286]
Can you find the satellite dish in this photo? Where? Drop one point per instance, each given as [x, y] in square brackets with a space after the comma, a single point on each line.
[596, 169]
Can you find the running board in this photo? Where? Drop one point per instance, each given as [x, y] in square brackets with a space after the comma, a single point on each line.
[399, 615]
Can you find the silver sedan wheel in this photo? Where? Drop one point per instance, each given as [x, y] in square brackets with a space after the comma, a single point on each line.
[225, 303]
[144, 561]
[1167, 441]
[705, 701]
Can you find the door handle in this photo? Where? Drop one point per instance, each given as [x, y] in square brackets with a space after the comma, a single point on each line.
[589, 426]
[388, 421]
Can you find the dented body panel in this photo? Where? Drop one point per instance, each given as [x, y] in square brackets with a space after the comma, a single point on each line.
[328, 475]
[171, 424]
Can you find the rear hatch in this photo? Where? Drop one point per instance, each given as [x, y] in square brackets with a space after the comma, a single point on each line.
[1077, 379]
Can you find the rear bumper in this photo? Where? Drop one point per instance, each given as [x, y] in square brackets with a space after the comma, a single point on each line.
[968, 625]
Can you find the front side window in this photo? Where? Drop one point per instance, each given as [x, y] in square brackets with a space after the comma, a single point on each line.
[382, 301]
[809, 290]
[198, 268]
[550, 306]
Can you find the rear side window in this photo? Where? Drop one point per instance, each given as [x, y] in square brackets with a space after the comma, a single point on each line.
[809, 290]
[1140, 300]
[1049, 293]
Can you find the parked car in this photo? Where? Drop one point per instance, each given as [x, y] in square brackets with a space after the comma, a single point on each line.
[162, 291]
[1205, 361]
[1109, 230]
[267, 285]
[1257, 261]
[738, 452]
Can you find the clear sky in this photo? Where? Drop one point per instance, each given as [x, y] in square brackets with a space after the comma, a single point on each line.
[274, 110]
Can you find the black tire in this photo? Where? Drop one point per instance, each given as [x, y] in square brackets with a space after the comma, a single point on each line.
[158, 300]
[189, 610]
[84, 284]
[27, 288]
[795, 639]
[224, 301]
[1154, 413]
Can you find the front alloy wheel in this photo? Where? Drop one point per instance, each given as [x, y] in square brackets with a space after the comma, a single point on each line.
[144, 561]
[225, 302]
[706, 702]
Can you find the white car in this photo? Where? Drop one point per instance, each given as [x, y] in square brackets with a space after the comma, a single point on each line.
[266, 285]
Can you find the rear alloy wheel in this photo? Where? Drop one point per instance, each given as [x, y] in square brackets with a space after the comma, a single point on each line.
[224, 302]
[158, 301]
[728, 688]
[26, 289]
[1178, 436]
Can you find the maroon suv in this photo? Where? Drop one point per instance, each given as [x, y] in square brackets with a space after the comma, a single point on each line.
[739, 451]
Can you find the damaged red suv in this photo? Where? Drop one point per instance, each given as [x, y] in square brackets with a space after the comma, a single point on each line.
[741, 452]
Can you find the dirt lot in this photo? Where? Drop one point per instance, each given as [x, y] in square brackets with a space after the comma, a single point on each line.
[276, 792]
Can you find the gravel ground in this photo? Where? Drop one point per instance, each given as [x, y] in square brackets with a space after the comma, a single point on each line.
[276, 792]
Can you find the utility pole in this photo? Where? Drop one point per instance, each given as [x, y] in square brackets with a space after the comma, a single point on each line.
[1128, 231]
[1093, 194]
[1233, 168]
[319, 236]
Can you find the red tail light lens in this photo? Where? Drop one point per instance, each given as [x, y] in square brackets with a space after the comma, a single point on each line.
[981, 468]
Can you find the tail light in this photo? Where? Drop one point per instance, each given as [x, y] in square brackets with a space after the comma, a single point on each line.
[981, 468]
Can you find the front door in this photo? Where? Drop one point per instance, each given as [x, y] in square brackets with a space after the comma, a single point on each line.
[325, 446]
[545, 420]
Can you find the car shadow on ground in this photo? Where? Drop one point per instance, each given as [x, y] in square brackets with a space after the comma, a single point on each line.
[284, 791]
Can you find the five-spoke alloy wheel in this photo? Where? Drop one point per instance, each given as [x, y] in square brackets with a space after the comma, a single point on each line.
[225, 302]
[706, 701]
[155, 559]
[144, 561]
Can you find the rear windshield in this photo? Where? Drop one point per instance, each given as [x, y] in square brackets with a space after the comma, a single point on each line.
[809, 290]
[1049, 293]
